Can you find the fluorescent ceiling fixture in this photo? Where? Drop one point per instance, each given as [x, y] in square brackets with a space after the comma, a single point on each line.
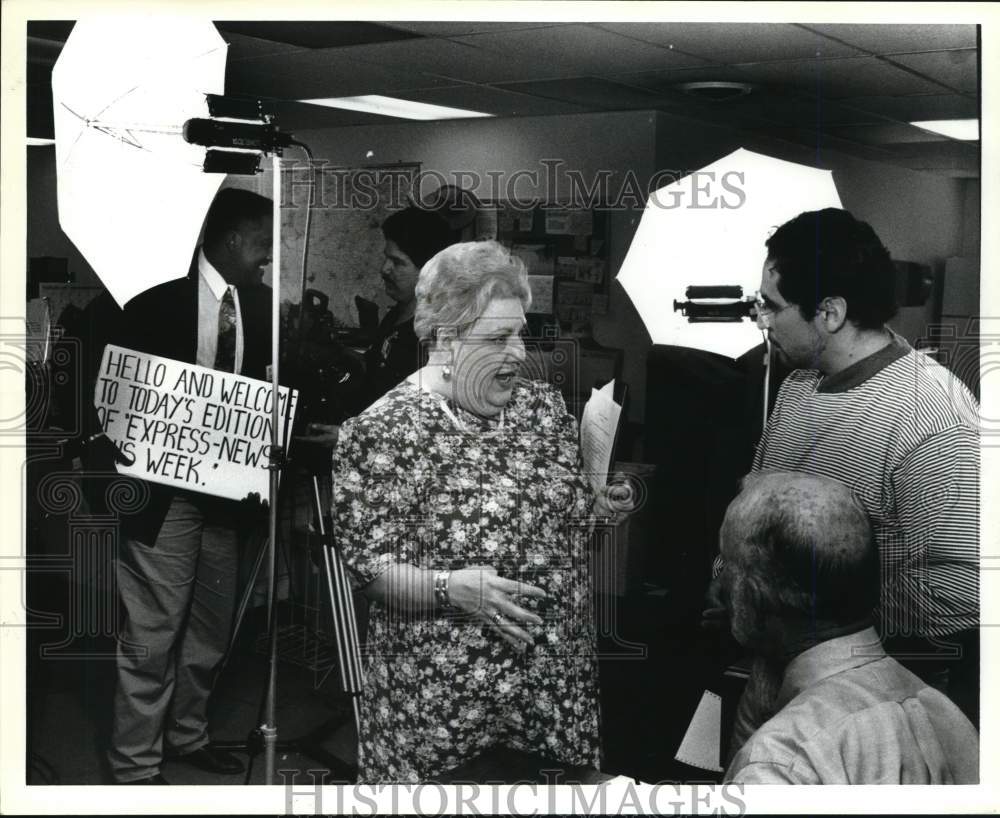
[390, 106]
[955, 128]
[35, 141]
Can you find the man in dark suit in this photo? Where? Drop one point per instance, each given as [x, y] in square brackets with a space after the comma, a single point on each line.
[177, 563]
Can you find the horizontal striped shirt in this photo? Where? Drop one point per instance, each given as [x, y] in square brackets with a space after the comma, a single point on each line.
[902, 432]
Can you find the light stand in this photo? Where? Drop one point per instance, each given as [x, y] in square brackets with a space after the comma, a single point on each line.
[269, 729]
[243, 143]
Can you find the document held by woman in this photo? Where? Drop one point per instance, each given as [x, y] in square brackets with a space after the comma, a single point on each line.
[598, 430]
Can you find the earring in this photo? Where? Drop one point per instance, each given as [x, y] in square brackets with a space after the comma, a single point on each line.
[446, 372]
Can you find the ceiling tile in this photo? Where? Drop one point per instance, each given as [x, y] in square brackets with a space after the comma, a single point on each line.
[324, 73]
[50, 29]
[918, 106]
[667, 79]
[574, 50]
[315, 33]
[454, 28]
[242, 47]
[892, 133]
[492, 100]
[894, 39]
[821, 141]
[956, 69]
[591, 92]
[794, 109]
[454, 61]
[736, 42]
[957, 156]
[850, 77]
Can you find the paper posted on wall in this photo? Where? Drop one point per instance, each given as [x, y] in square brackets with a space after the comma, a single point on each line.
[598, 428]
[189, 426]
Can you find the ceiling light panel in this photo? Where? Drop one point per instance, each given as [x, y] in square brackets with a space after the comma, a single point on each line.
[398, 108]
[964, 129]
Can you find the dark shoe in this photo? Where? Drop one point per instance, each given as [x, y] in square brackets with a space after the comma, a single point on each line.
[212, 760]
[151, 779]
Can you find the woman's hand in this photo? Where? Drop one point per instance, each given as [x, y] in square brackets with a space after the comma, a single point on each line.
[479, 590]
[616, 500]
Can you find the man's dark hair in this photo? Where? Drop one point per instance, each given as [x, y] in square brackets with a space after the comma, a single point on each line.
[231, 209]
[826, 253]
[812, 552]
[419, 233]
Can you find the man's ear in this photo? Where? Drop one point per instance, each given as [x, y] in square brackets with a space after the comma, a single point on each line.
[233, 240]
[832, 313]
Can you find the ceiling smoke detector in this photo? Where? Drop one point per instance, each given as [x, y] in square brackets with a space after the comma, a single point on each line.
[716, 91]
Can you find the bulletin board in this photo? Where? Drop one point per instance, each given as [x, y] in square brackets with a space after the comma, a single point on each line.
[566, 253]
[345, 244]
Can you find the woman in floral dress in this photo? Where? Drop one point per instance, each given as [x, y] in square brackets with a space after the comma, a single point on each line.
[461, 506]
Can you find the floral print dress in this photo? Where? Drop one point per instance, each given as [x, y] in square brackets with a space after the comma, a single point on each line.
[419, 482]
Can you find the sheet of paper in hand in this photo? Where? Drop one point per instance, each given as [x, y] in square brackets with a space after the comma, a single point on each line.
[189, 426]
[598, 428]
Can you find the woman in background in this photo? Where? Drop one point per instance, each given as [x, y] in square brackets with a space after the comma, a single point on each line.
[461, 505]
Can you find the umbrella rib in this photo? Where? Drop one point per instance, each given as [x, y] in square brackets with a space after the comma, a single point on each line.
[117, 99]
[79, 136]
[110, 132]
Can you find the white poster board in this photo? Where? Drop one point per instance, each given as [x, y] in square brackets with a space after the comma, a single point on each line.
[189, 426]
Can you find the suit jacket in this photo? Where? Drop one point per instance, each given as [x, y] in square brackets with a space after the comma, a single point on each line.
[163, 321]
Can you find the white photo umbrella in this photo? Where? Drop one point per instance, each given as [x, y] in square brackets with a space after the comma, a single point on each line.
[131, 192]
[709, 229]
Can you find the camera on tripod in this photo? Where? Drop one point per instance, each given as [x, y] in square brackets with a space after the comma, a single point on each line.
[718, 304]
[328, 374]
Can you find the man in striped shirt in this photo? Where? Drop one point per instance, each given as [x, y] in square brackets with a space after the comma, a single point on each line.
[864, 408]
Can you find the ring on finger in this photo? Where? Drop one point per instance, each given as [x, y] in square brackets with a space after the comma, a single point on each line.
[498, 618]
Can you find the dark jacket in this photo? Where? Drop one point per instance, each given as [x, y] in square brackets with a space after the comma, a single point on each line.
[163, 321]
[394, 354]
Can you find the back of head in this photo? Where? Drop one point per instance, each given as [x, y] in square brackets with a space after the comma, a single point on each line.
[805, 547]
[457, 284]
[824, 253]
[232, 208]
[417, 232]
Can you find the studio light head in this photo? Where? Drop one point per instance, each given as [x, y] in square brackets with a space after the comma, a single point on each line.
[716, 304]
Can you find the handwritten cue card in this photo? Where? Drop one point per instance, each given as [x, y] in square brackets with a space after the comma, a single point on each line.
[189, 426]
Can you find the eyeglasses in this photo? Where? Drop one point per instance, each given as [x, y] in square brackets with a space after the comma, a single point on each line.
[764, 308]
[764, 312]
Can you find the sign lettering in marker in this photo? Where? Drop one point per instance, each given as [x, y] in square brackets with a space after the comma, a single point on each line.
[189, 426]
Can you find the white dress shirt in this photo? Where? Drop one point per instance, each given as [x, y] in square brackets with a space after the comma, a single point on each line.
[211, 288]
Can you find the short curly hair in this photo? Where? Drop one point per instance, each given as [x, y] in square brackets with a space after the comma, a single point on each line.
[824, 253]
[231, 209]
[457, 284]
[418, 233]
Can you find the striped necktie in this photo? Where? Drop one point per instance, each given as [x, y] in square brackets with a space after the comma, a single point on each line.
[225, 353]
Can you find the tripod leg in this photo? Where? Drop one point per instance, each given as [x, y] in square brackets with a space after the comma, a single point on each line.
[241, 609]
